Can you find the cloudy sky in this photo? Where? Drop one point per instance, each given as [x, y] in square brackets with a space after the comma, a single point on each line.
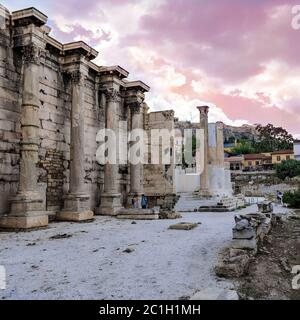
[240, 56]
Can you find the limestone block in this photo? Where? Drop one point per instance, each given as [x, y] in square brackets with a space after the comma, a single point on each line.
[246, 233]
[74, 216]
[242, 224]
[183, 226]
[7, 125]
[26, 222]
[233, 267]
[250, 244]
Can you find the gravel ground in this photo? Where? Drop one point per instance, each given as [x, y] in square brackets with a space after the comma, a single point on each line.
[87, 260]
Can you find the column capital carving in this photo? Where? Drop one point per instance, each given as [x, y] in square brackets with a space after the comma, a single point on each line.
[111, 94]
[203, 109]
[32, 54]
[77, 77]
[135, 107]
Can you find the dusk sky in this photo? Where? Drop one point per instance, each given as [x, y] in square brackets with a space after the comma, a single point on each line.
[242, 57]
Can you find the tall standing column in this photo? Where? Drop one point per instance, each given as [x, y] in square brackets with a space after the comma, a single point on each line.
[136, 169]
[204, 177]
[76, 205]
[111, 198]
[220, 143]
[27, 209]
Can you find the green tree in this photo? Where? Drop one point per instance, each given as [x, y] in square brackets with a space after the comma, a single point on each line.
[292, 198]
[272, 138]
[245, 147]
[288, 168]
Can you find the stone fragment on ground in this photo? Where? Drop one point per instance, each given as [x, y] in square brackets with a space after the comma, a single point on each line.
[128, 250]
[169, 215]
[183, 226]
[60, 236]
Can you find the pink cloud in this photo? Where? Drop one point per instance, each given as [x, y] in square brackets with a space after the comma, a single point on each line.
[221, 45]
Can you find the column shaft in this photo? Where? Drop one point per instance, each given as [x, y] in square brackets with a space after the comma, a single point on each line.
[136, 170]
[76, 205]
[204, 178]
[77, 138]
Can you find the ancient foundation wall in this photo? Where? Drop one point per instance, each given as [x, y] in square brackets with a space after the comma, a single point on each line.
[10, 129]
[261, 183]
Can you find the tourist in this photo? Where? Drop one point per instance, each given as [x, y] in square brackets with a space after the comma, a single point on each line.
[144, 202]
[280, 197]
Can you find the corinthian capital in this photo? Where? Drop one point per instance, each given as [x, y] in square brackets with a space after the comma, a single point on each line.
[32, 54]
[135, 107]
[77, 77]
[112, 95]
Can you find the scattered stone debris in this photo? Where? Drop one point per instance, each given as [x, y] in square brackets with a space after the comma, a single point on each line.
[269, 274]
[31, 244]
[265, 207]
[250, 230]
[61, 236]
[169, 215]
[133, 222]
[183, 226]
[128, 250]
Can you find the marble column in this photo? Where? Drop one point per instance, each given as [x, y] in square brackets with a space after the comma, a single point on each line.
[136, 170]
[204, 177]
[76, 204]
[27, 208]
[220, 143]
[111, 198]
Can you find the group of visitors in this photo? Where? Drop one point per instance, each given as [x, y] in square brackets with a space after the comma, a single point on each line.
[144, 202]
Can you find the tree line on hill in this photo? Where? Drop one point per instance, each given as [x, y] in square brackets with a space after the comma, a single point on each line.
[269, 139]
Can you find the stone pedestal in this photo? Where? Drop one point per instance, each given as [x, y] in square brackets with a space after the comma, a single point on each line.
[76, 208]
[110, 204]
[27, 208]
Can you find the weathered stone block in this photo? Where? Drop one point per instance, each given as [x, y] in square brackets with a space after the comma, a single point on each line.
[249, 244]
[246, 233]
[183, 226]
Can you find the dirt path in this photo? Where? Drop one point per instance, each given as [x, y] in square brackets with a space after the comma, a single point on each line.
[270, 274]
[115, 259]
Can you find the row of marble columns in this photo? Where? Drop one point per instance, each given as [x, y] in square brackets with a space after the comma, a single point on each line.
[27, 208]
[110, 200]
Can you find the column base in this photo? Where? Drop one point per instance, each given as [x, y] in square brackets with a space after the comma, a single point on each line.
[27, 212]
[110, 204]
[76, 208]
[23, 223]
[205, 193]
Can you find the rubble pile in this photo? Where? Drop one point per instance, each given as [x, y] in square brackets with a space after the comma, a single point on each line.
[249, 231]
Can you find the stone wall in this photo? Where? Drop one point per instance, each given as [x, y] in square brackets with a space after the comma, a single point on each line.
[159, 178]
[10, 131]
[54, 115]
[261, 183]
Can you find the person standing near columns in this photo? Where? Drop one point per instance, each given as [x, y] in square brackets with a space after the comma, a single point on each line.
[204, 177]
[76, 204]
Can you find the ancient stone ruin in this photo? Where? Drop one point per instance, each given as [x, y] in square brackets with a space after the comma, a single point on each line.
[54, 102]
